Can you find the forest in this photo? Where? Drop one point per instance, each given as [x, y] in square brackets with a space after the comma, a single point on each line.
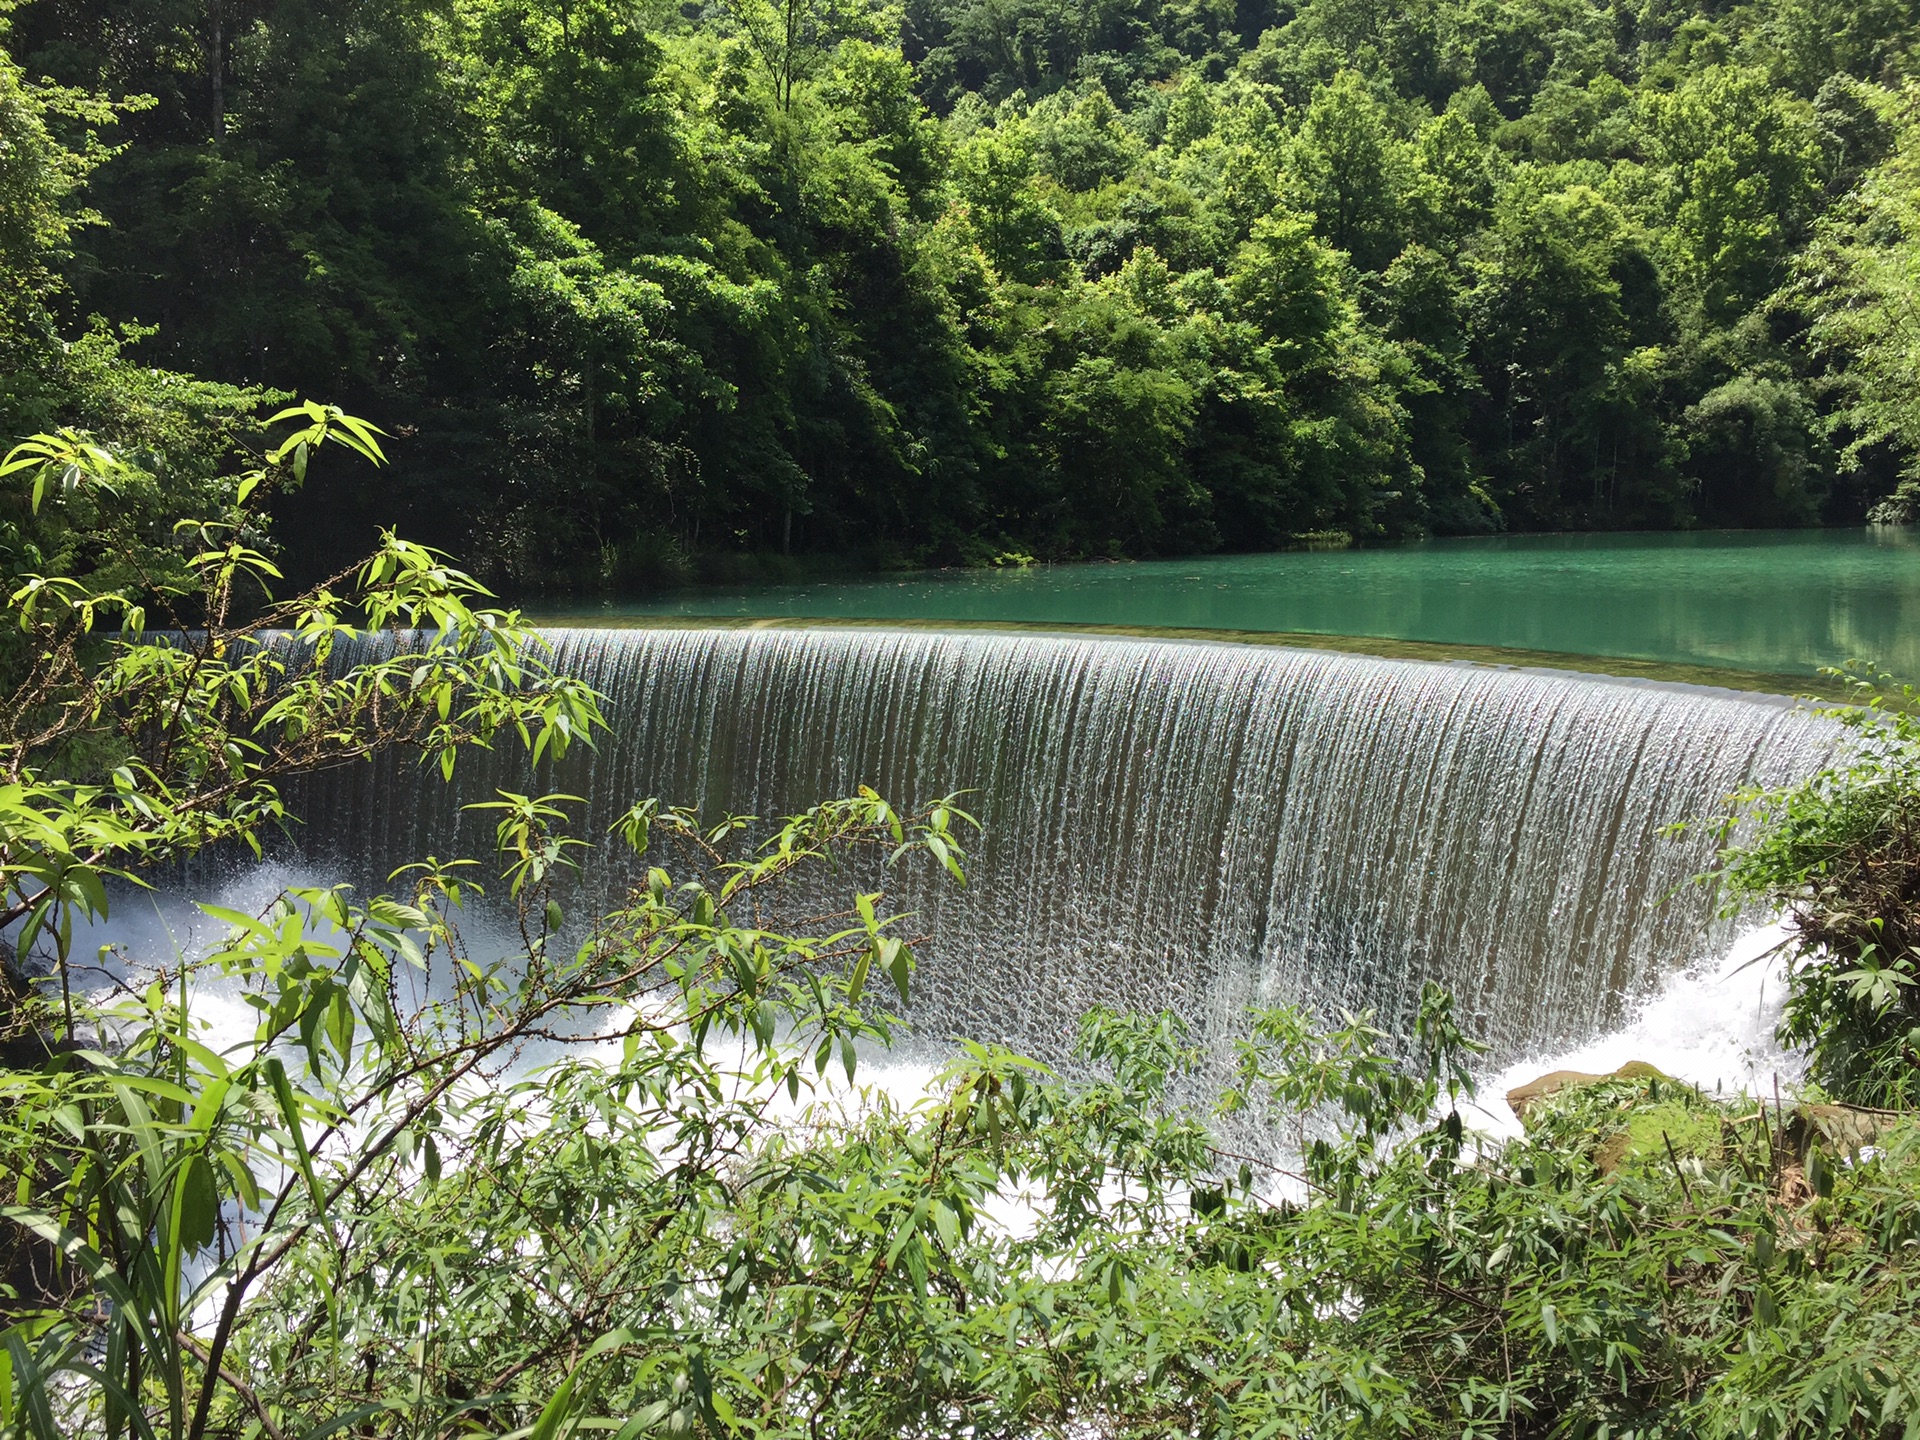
[640, 293]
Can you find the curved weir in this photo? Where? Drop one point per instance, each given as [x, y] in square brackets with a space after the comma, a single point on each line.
[1192, 826]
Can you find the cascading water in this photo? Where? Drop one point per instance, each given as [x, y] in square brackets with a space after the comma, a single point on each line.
[1191, 826]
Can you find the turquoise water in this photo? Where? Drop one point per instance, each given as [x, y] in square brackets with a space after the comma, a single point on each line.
[1782, 602]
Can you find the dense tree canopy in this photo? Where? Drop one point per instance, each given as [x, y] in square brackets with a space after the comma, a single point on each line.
[633, 285]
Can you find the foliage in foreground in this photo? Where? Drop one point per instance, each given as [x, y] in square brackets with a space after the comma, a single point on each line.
[849, 1279]
[638, 1242]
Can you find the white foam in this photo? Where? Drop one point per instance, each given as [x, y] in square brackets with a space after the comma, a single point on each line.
[1712, 1026]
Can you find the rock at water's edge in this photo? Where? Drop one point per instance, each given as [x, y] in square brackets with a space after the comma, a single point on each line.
[1522, 1098]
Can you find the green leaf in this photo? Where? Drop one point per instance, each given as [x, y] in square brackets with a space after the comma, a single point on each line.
[898, 960]
[29, 1385]
[199, 1202]
[555, 1413]
[290, 1113]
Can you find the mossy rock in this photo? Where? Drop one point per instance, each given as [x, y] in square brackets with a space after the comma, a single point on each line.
[1626, 1120]
[1523, 1098]
[1692, 1132]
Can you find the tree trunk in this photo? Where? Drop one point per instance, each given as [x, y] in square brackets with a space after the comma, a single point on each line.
[216, 66]
[786, 69]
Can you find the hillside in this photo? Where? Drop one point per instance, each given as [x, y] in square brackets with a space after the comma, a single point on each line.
[636, 288]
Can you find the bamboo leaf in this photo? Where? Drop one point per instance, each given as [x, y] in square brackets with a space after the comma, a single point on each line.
[290, 1113]
[30, 1389]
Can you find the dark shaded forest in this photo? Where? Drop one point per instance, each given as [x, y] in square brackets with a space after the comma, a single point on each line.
[635, 289]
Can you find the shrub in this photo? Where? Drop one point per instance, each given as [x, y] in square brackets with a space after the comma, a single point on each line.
[1839, 854]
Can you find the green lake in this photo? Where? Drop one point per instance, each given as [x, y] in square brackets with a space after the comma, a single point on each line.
[1782, 602]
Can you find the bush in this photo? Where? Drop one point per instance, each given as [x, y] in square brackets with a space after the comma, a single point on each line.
[1839, 853]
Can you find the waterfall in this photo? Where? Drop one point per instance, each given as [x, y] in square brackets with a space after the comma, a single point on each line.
[1194, 826]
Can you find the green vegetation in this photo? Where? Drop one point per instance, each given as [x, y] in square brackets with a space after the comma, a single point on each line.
[1840, 855]
[371, 1212]
[169, 432]
[641, 288]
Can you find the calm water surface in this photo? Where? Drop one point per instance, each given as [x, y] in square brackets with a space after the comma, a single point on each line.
[1783, 601]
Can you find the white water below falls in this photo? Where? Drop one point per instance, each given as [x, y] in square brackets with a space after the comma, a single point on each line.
[1711, 1026]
